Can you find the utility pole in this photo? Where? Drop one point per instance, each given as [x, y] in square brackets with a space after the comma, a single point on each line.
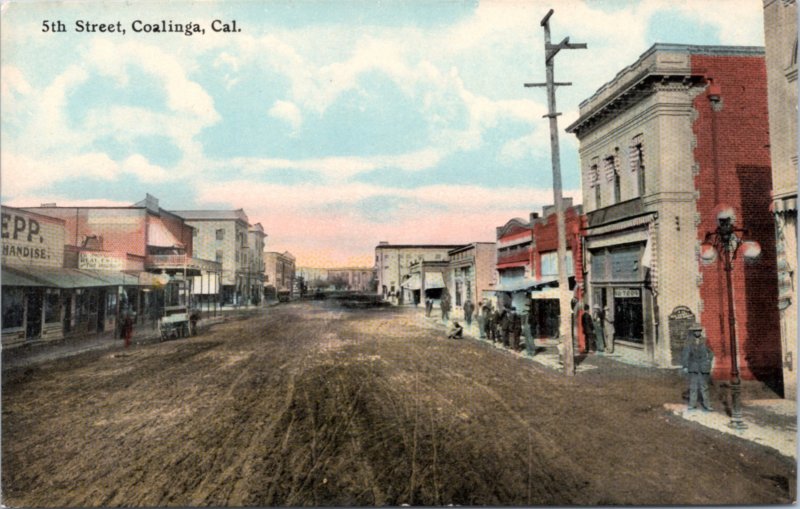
[550, 50]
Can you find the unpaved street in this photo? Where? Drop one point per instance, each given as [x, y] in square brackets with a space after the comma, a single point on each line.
[313, 404]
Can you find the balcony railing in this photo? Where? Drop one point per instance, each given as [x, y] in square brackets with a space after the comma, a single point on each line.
[515, 256]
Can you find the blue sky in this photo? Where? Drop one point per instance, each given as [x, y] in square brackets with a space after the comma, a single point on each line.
[333, 124]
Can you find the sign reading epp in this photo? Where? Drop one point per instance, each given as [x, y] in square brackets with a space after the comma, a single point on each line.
[28, 240]
[22, 226]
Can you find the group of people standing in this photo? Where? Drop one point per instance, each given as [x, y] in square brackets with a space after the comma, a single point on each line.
[504, 326]
[594, 331]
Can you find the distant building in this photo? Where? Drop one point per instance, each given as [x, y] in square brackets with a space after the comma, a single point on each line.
[279, 275]
[222, 236]
[393, 261]
[254, 286]
[780, 34]
[358, 279]
[670, 139]
[470, 272]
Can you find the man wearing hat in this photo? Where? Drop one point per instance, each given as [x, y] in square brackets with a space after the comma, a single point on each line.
[697, 359]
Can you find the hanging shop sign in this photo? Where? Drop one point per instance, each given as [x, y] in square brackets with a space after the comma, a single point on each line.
[97, 261]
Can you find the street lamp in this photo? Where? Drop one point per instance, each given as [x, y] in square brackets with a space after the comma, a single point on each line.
[726, 240]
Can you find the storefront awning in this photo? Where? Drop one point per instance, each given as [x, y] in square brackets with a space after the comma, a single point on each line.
[412, 283]
[524, 284]
[14, 277]
[59, 277]
[434, 280]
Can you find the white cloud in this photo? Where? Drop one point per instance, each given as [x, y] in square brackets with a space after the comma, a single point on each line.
[342, 168]
[288, 112]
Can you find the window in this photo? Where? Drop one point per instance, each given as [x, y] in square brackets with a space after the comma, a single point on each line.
[52, 306]
[221, 234]
[594, 181]
[636, 157]
[13, 307]
[195, 232]
[219, 255]
[612, 175]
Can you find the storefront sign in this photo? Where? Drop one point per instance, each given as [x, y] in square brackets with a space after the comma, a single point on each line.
[679, 322]
[627, 293]
[96, 261]
[31, 239]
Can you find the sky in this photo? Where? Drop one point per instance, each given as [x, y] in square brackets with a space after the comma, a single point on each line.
[334, 124]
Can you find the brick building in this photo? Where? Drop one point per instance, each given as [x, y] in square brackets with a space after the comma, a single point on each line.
[527, 266]
[780, 33]
[674, 135]
[138, 258]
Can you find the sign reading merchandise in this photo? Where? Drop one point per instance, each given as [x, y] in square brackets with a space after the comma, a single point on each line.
[97, 261]
[31, 239]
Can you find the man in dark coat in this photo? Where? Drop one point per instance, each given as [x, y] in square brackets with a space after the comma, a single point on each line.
[505, 326]
[457, 332]
[588, 330]
[697, 358]
[483, 316]
[469, 308]
[516, 328]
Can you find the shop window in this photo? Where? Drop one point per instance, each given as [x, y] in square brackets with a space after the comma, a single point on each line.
[111, 304]
[52, 306]
[628, 318]
[13, 308]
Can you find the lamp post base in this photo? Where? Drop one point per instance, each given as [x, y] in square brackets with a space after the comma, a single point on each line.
[736, 406]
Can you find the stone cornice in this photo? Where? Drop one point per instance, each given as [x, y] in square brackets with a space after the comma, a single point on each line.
[662, 65]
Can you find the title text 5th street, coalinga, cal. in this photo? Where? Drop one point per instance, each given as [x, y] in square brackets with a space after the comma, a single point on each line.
[139, 26]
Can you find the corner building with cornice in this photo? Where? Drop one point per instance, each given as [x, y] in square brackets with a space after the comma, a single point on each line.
[674, 135]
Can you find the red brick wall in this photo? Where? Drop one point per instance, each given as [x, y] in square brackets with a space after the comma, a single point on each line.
[732, 151]
[546, 239]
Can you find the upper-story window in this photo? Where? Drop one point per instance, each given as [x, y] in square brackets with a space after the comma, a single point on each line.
[636, 157]
[219, 255]
[221, 234]
[612, 175]
[594, 181]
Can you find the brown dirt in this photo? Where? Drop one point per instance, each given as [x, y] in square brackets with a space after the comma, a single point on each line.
[319, 405]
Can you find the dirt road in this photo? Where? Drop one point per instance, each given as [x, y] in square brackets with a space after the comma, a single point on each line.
[312, 404]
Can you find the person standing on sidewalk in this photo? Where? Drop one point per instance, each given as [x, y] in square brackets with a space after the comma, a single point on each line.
[597, 325]
[469, 308]
[127, 328]
[444, 304]
[697, 358]
[588, 330]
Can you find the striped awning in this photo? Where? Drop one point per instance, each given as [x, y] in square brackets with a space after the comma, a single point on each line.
[412, 283]
[434, 280]
[621, 225]
[159, 236]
